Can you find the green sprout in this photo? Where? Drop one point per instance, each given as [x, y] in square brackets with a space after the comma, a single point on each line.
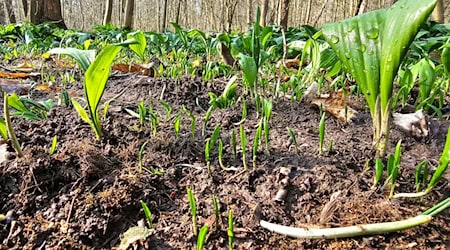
[293, 138]
[168, 109]
[54, 144]
[193, 207]
[244, 110]
[421, 176]
[176, 124]
[207, 155]
[202, 237]
[256, 142]
[141, 156]
[95, 80]
[243, 146]
[153, 119]
[221, 154]
[368, 49]
[378, 171]
[9, 127]
[148, 214]
[139, 47]
[215, 135]
[393, 166]
[267, 109]
[142, 111]
[3, 129]
[321, 133]
[444, 160]
[216, 212]
[230, 230]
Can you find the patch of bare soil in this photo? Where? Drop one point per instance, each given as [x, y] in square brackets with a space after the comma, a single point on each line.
[87, 194]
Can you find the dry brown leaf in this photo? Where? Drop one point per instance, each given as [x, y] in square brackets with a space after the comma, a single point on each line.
[336, 105]
[143, 69]
[14, 75]
[289, 63]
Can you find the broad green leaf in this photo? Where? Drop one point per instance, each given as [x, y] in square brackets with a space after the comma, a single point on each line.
[403, 21]
[249, 69]
[138, 48]
[83, 57]
[15, 103]
[357, 44]
[95, 80]
[426, 78]
[445, 57]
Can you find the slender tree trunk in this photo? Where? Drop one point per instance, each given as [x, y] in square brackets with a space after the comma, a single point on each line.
[249, 11]
[129, 12]
[108, 12]
[264, 8]
[284, 13]
[177, 18]
[10, 11]
[438, 12]
[164, 17]
[40, 11]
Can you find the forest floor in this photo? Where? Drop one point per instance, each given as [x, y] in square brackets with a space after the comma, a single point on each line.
[88, 193]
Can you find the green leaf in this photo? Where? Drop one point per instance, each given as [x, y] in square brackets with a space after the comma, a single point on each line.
[378, 170]
[15, 103]
[3, 129]
[83, 57]
[249, 69]
[147, 213]
[444, 160]
[202, 237]
[426, 78]
[138, 48]
[95, 81]
[81, 111]
[54, 144]
[445, 58]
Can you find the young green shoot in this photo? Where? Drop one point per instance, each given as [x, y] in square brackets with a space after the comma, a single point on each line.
[215, 135]
[256, 142]
[444, 160]
[142, 111]
[321, 133]
[208, 155]
[148, 214]
[177, 124]
[243, 146]
[221, 154]
[230, 230]
[378, 171]
[293, 138]
[193, 121]
[421, 176]
[244, 110]
[153, 119]
[216, 212]
[193, 207]
[168, 109]
[3, 129]
[267, 109]
[393, 167]
[54, 144]
[9, 127]
[202, 237]
[141, 156]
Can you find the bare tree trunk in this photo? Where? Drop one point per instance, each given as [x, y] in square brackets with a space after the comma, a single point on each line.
[177, 18]
[230, 6]
[108, 12]
[40, 11]
[438, 12]
[164, 17]
[249, 12]
[129, 12]
[264, 8]
[284, 13]
[10, 11]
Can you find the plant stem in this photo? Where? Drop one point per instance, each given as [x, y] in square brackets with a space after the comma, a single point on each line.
[344, 232]
[12, 135]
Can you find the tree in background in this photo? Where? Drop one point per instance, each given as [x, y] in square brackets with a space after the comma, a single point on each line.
[39, 11]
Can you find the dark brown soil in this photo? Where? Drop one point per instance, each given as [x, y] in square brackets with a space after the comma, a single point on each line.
[88, 193]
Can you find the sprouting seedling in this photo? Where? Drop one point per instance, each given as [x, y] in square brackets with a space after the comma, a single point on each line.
[193, 207]
[95, 80]
[139, 47]
[177, 124]
[321, 133]
[230, 230]
[215, 135]
[267, 109]
[393, 166]
[207, 155]
[293, 138]
[54, 144]
[193, 121]
[148, 214]
[168, 109]
[330, 146]
[378, 171]
[243, 146]
[141, 156]
[202, 237]
[216, 212]
[234, 143]
[9, 127]
[421, 177]
[444, 160]
[142, 111]
[221, 154]
[153, 119]
[244, 110]
[256, 142]
[3, 129]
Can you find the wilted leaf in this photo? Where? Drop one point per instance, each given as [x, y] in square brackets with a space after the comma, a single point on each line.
[143, 69]
[14, 75]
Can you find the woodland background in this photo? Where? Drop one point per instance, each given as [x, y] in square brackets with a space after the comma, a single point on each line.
[207, 15]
